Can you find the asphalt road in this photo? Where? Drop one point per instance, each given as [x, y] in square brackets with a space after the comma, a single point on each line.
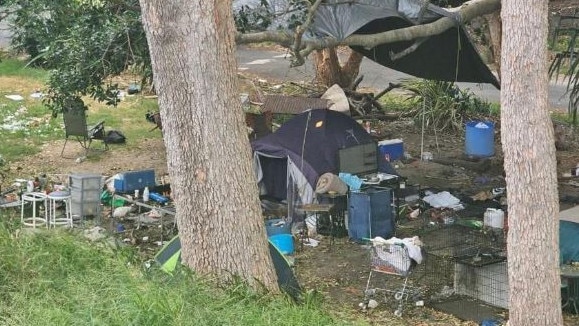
[275, 66]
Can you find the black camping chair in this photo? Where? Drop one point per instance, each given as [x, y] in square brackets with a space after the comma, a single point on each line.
[75, 126]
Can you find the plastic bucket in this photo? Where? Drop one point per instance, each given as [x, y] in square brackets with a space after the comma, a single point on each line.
[480, 139]
[283, 242]
[277, 226]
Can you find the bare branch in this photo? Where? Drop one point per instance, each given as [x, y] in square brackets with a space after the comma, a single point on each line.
[408, 50]
[464, 13]
[300, 32]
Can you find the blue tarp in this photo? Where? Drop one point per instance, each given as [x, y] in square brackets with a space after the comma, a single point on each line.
[568, 242]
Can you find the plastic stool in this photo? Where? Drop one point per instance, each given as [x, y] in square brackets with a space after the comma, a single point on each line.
[53, 199]
[34, 198]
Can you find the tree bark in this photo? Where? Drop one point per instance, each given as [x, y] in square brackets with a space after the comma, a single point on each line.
[330, 71]
[495, 24]
[530, 166]
[208, 155]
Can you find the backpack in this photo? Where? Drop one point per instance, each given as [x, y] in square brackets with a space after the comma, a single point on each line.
[115, 137]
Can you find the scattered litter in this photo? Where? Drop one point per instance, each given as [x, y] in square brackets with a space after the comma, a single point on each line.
[372, 304]
[127, 240]
[120, 228]
[122, 211]
[483, 195]
[14, 97]
[37, 95]
[427, 156]
[160, 243]
[444, 199]
[145, 239]
[94, 234]
[419, 303]
[310, 242]
[414, 214]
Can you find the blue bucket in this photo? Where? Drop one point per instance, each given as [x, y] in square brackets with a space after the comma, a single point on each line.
[277, 226]
[480, 139]
[283, 242]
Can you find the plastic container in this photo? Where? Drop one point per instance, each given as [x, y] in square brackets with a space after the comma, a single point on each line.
[494, 218]
[480, 139]
[158, 198]
[283, 242]
[146, 194]
[134, 180]
[391, 150]
[277, 226]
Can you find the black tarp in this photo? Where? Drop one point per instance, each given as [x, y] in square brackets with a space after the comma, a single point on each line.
[449, 56]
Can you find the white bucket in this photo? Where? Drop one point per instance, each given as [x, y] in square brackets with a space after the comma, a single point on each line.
[494, 218]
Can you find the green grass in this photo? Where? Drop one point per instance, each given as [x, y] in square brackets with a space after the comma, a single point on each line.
[27, 124]
[16, 67]
[57, 278]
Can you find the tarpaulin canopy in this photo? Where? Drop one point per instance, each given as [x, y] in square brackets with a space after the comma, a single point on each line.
[449, 56]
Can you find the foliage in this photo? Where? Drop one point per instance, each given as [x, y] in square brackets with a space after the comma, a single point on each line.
[83, 43]
[251, 19]
[442, 106]
[53, 277]
[567, 62]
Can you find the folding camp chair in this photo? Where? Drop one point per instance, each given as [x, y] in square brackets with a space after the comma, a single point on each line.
[75, 126]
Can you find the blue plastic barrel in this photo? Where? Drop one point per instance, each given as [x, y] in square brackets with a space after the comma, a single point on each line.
[480, 139]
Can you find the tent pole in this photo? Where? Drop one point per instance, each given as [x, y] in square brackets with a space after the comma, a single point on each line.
[422, 134]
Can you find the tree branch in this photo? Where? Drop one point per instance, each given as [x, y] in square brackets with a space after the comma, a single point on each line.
[464, 13]
[298, 59]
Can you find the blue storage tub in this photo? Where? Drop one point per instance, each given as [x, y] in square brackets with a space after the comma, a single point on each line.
[133, 180]
[480, 139]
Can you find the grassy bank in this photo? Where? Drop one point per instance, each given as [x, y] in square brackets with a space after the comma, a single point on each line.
[57, 278]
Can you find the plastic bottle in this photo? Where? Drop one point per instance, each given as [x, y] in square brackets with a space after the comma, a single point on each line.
[158, 198]
[146, 194]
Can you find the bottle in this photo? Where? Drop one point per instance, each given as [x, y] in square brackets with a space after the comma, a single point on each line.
[158, 198]
[146, 194]
[30, 186]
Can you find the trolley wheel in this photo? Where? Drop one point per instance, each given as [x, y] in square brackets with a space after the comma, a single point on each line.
[398, 296]
[398, 313]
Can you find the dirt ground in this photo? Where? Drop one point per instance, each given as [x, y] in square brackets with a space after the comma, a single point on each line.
[338, 271]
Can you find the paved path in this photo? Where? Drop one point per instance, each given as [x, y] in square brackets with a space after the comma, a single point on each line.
[275, 65]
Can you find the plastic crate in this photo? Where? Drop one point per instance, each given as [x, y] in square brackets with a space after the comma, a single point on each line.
[85, 181]
[131, 181]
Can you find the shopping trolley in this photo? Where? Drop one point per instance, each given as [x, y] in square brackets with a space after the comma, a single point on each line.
[391, 259]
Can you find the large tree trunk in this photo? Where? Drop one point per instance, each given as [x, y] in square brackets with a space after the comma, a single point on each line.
[330, 71]
[208, 155]
[529, 153]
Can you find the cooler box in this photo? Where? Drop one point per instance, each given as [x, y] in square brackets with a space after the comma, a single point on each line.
[391, 150]
[370, 214]
[131, 181]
